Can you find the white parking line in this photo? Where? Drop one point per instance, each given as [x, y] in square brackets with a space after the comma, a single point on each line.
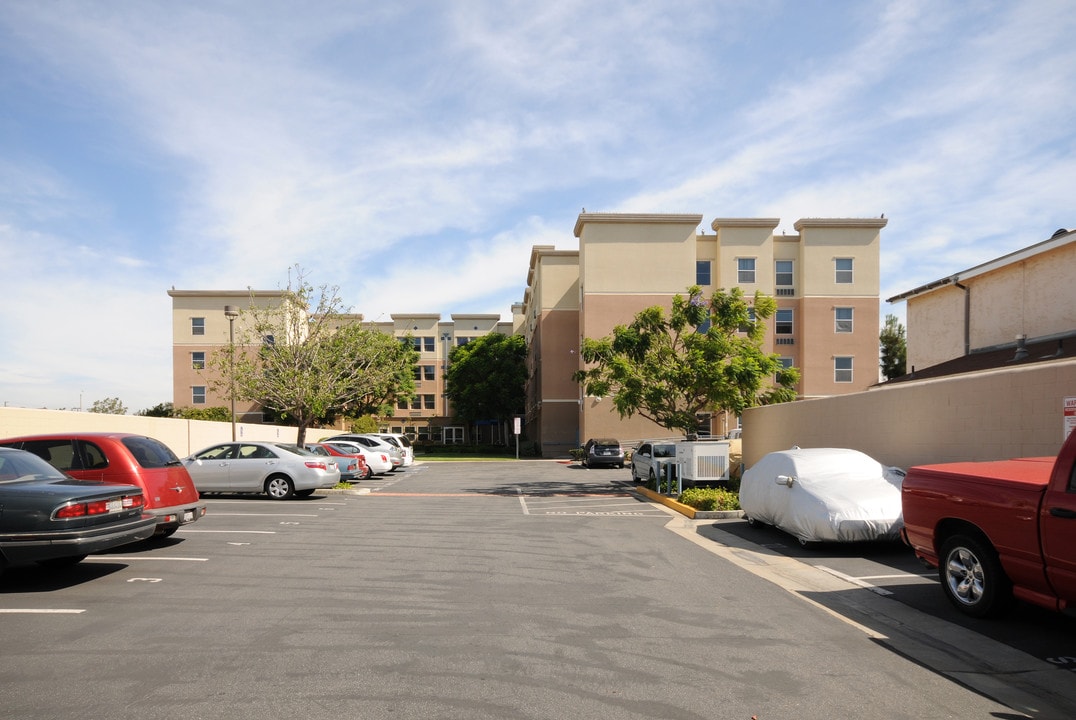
[855, 581]
[264, 515]
[40, 611]
[248, 532]
[109, 558]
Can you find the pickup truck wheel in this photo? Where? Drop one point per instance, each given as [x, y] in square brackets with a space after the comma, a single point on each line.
[972, 577]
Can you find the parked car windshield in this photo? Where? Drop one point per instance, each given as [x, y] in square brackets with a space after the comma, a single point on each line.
[294, 449]
[664, 451]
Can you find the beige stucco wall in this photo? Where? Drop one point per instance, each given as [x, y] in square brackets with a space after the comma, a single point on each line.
[1016, 412]
[1034, 297]
[612, 246]
[182, 436]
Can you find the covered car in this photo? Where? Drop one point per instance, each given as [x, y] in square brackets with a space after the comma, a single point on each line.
[824, 495]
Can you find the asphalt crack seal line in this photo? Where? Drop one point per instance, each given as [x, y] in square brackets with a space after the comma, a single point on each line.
[1011, 677]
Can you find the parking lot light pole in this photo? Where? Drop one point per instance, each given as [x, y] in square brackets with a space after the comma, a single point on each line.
[231, 312]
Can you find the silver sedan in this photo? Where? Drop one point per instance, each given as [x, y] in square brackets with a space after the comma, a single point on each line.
[279, 470]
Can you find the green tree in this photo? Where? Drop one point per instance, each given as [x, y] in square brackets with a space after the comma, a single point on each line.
[108, 406]
[487, 377]
[310, 361]
[164, 409]
[217, 414]
[705, 355]
[894, 345]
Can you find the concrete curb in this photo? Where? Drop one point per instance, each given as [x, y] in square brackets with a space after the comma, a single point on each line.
[687, 509]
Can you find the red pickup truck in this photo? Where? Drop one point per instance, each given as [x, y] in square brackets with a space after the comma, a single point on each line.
[997, 530]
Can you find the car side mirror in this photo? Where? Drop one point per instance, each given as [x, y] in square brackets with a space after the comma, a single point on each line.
[786, 480]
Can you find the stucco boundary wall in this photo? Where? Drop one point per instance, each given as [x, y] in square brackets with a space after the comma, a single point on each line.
[182, 436]
[991, 415]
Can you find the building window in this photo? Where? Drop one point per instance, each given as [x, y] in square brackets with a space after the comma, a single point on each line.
[418, 373]
[453, 436]
[702, 272]
[198, 326]
[785, 363]
[745, 270]
[842, 369]
[197, 360]
[783, 273]
[782, 324]
[842, 320]
[751, 319]
[844, 270]
[428, 402]
[460, 341]
[198, 395]
[427, 343]
[401, 404]
[428, 372]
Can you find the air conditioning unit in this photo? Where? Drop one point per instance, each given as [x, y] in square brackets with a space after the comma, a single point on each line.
[703, 461]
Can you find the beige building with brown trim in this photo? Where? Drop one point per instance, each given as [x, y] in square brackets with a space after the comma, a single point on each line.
[1027, 297]
[825, 278]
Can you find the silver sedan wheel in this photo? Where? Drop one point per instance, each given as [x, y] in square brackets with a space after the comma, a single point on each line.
[279, 487]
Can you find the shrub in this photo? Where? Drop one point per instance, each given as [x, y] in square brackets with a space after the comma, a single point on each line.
[710, 499]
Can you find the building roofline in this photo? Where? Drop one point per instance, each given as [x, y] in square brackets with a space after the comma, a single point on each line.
[875, 223]
[719, 223]
[640, 218]
[1059, 239]
[225, 293]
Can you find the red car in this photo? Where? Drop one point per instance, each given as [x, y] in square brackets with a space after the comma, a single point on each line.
[170, 494]
[353, 467]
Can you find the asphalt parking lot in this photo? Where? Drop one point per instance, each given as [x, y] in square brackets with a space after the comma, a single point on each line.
[467, 590]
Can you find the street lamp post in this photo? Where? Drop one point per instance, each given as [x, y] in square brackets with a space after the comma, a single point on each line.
[231, 312]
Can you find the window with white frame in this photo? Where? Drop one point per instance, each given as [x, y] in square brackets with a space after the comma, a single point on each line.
[843, 270]
[783, 273]
[428, 343]
[198, 326]
[198, 395]
[453, 435]
[842, 319]
[702, 272]
[428, 402]
[197, 360]
[745, 270]
[785, 363]
[401, 404]
[842, 369]
[783, 322]
[750, 321]
[428, 372]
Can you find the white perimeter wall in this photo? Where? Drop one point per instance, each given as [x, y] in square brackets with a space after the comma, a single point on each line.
[182, 436]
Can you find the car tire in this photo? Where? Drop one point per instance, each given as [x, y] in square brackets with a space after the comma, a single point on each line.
[280, 487]
[972, 577]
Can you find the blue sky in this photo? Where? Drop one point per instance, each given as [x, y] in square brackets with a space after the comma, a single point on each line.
[413, 152]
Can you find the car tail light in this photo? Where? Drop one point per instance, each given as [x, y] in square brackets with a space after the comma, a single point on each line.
[99, 507]
[317, 465]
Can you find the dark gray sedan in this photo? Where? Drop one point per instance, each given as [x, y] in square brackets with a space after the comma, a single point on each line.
[53, 519]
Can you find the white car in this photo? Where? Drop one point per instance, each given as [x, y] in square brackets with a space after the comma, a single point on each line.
[279, 470]
[402, 442]
[372, 442]
[649, 459]
[378, 462]
[824, 495]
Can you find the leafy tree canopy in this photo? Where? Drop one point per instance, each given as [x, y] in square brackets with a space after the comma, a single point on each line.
[311, 362]
[217, 414]
[894, 358]
[108, 406]
[704, 355]
[487, 377]
[164, 409]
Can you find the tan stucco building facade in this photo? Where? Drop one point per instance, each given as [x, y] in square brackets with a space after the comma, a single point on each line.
[825, 279]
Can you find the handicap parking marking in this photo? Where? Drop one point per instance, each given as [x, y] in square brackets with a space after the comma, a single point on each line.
[602, 505]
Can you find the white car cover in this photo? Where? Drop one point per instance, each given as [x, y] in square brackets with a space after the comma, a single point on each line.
[824, 495]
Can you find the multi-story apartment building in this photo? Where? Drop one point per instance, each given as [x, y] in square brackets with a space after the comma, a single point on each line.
[825, 279]
[201, 326]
